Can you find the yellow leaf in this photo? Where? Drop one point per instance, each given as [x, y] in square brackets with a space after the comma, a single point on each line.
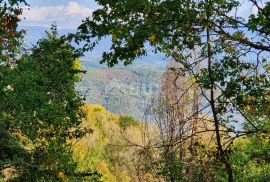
[153, 38]
[229, 49]
[250, 98]
[61, 175]
[114, 38]
[77, 64]
[247, 108]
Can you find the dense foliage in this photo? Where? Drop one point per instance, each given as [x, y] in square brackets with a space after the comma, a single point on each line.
[111, 149]
[40, 110]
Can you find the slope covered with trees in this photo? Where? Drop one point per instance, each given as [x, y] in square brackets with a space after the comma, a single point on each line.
[111, 149]
[121, 90]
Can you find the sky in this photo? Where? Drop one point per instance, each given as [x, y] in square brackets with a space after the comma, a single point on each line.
[67, 14]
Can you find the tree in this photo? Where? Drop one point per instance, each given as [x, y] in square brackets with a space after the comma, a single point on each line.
[183, 149]
[233, 52]
[10, 36]
[126, 121]
[10, 40]
[42, 110]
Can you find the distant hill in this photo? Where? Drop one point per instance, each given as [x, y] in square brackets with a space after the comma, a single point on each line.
[121, 90]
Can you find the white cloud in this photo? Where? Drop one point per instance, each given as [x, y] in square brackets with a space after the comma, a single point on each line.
[247, 8]
[69, 16]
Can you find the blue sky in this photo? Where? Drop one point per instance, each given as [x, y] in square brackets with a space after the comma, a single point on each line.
[87, 3]
[67, 14]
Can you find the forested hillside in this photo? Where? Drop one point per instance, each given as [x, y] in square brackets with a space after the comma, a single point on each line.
[122, 90]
